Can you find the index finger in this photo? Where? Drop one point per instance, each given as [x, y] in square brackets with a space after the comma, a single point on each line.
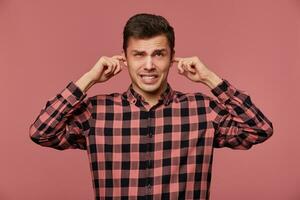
[176, 59]
[119, 57]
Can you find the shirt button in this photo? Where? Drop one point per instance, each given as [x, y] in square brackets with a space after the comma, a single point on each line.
[149, 163]
[149, 186]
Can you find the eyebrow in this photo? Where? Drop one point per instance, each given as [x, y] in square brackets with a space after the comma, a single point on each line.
[155, 51]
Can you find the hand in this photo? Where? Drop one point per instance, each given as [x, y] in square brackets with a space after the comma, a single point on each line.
[106, 67]
[192, 68]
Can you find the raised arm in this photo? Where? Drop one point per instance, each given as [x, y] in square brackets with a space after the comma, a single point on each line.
[64, 122]
[238, 123]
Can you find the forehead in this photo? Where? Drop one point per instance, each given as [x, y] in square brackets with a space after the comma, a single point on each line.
[148, 44]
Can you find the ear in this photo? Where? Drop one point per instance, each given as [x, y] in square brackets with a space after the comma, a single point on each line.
[172, 57]
[125, 59]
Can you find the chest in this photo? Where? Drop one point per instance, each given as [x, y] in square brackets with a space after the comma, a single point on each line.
[130, 132]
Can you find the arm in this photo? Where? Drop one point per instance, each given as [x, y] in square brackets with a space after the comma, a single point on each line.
[238, 123]
[64, 121]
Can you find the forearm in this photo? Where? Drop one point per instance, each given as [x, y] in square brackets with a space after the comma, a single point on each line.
[85, 82]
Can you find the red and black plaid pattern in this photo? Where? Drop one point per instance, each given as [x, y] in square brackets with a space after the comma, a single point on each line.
[139, 152]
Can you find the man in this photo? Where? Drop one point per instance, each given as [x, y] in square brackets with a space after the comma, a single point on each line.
[150, 142]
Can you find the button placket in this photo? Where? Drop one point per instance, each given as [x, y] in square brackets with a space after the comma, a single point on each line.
[149, 162]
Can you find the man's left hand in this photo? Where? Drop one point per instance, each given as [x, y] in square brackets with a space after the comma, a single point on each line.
[196, 71]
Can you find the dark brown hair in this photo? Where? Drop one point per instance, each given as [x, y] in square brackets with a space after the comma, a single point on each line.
[146, 25]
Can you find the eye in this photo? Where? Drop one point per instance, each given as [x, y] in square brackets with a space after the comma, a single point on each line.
[160, 54]
[138, 54]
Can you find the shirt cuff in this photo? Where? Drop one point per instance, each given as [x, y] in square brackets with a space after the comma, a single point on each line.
[73, 94]
[224, 90]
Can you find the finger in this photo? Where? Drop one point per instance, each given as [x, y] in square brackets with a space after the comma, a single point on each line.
[180, 68]
[184, 66]
[119, 58]
[191, 68]
[176, 59]
[186, 71]
[123, 63]
[117, 69]
[115, 65]
[109, 65]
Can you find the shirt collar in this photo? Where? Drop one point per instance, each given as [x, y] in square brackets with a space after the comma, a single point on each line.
[167, 96]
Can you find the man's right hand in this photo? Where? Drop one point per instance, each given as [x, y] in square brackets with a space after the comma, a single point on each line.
[104, 69]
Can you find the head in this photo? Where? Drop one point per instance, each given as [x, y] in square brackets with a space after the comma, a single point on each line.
[148, 46]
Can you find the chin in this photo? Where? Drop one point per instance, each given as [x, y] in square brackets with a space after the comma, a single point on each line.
[150, 88]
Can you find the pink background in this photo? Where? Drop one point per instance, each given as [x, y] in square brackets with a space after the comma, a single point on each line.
[45, 44]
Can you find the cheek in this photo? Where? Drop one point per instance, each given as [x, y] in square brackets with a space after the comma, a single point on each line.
[132, 71]
[133, 65]
[166, 66]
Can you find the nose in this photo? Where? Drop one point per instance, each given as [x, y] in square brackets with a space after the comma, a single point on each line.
[149, 63]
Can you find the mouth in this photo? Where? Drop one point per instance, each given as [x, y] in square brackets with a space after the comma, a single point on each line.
[148, 78]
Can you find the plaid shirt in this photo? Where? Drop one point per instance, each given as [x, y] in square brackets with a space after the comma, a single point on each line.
[141, 152]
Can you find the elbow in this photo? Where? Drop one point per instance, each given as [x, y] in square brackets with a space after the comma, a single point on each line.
[37, 136]
[264, 134]
[247, 142]
[33, 134]
[44, 140]
[268, 132]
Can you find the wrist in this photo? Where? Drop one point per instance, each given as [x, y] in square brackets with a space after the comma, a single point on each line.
[212, 80]
[85, 82]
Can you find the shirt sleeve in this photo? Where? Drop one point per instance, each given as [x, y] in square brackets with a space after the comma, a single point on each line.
[238, 123]
[63, 122]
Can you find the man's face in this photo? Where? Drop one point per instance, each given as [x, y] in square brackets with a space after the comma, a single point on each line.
[148, 62]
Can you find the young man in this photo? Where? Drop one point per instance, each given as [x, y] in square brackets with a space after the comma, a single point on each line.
[150, 142]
